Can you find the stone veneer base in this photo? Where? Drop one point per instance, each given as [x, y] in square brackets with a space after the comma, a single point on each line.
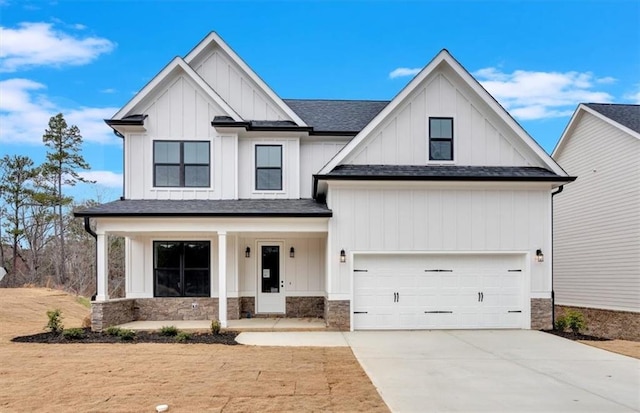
[624, 325]
[337, 314]
[541, 310]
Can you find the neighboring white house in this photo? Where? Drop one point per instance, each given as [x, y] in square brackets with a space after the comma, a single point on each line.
[597, 219]
[429, 211]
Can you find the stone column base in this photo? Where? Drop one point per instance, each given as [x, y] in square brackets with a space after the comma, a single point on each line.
[541, 314]
[337, 314]
[109, 313]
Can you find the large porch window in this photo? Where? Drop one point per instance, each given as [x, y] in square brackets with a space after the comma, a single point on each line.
[182, 268]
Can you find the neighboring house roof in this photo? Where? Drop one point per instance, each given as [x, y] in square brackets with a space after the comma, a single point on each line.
[625, 115]
[338, 116]
[442, 173]
[259, 125]
[209, 208]
[443, 58]
[622, 116]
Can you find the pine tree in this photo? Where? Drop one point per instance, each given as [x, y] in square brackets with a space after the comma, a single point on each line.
[63, 159]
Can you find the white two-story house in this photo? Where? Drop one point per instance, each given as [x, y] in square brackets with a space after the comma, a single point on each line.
[429, 211]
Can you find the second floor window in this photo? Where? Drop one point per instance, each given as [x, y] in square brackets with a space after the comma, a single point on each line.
[181, 164]
[269, 167]
[441, 139]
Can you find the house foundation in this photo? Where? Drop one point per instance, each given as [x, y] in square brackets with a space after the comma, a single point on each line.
[336, 314]
[541, 314]
[623, 325]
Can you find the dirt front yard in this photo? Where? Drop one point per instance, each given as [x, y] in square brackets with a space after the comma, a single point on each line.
[187, 377]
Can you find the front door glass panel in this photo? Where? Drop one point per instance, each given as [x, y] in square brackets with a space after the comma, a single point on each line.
[270, 276]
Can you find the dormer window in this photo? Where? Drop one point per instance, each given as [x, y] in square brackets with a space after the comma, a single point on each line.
[269, 167]
[441, 139]
[181, 164]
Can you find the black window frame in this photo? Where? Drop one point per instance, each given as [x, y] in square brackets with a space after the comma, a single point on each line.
[257, 168]
[181, 165]
[181, 268]
[440, 139]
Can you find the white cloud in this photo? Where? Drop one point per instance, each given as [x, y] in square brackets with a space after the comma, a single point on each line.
[634, 97]
[607, 80]
[403, 72]
[104, 178]
[25, 111]
[536, 95]
[39, 44]
[108, 90]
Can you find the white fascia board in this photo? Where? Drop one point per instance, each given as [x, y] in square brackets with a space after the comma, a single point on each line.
[214, 38]
[176, 63]
[568, 130]
[445, 57]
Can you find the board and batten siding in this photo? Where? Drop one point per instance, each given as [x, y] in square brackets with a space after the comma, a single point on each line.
[179, 111]
[235, 87]
[597, 219]
[480, 136]
[314, 154]
[436, 217]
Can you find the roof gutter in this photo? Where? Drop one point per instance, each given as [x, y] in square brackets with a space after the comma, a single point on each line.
[330, 177]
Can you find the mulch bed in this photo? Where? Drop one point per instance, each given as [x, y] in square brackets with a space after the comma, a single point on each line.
[575, 336]
[228, 338]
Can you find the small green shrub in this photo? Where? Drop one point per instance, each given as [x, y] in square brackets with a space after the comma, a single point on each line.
[575, 321]
[112, 331]
[215, 327]
[126, 335]
[54, 324]
[169, 331]
[561, 323]
[73, 333]
[183, 336]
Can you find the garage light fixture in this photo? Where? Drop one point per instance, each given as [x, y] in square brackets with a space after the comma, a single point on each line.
[343, 256]
[292, 253]
[247, 252]
[539, 256]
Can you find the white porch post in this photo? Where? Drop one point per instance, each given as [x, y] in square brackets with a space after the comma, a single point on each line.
[222, 278]
[102, 267]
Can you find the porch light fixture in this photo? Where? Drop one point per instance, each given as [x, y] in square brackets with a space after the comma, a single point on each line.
[292, 253]
[539, 256]
[247, 252]
[343, 256]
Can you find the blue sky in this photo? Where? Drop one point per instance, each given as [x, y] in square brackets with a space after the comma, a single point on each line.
[88, 58]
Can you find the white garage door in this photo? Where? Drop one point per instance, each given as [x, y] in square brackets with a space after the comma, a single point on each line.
[413, 291]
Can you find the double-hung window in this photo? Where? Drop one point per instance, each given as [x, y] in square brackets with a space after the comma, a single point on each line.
[441, 139]
[181, 164]
[269, 167]
[181, 268]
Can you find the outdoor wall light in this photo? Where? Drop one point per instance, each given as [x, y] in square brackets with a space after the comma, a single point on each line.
[343, 256]
[247, 252]
[539, 256]
[292, 253]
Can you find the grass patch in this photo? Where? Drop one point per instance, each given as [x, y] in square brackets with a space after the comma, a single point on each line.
[168, 331]
[86, 302]
[73, 333]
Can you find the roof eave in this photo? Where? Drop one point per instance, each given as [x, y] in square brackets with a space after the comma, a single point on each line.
[558, 178]
[81, 214]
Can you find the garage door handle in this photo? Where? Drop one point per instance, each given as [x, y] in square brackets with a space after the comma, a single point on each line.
[438, 312]
[514, 311]
[360, 312]
[438, 270]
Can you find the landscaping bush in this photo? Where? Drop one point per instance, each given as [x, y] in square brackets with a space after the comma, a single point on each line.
[215, 327]
[54, 324]
[73, 333]
[169, 331]
[112, 331]
[575, 321]
[561, 323]
[86, 322]
[125, 334]
[183, 336]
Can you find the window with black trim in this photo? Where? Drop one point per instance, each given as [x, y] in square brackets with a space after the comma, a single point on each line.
[269, 167]
[181, 164]
[181, 268]
[441, 139]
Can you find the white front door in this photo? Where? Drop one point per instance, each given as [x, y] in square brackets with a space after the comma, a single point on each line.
[271, 297]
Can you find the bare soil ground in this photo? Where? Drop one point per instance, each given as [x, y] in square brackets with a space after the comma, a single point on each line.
[187, 377]
[624, 347]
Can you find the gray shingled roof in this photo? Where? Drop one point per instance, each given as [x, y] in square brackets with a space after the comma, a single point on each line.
[210, 208]
[626, 115]
[442, 172]
[336, 115]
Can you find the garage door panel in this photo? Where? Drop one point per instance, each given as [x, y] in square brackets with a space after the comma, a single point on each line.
[409, 291]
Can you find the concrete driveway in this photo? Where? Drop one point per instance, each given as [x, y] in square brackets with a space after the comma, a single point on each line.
[495, 371]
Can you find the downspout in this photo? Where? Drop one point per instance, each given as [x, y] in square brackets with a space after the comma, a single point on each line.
[87, 227]
[553, 263]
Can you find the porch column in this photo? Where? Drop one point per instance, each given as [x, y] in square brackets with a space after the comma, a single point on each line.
[222, 278]
[102, 268]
